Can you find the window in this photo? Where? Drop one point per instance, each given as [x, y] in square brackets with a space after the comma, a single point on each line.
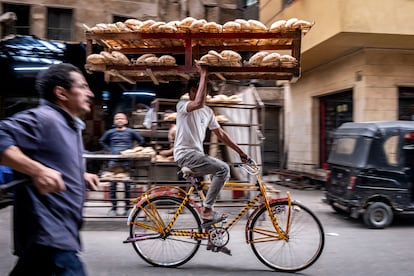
[21, 25]
[59, 24]
[391, 150]
[287, 3]
[117, 18]
[345, 145]
[406, 103]
[250, 2]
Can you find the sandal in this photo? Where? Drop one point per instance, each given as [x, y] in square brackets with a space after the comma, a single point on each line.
[222, 249]
[217, 217]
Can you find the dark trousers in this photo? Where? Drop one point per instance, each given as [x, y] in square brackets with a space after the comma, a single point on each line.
[112, 195]
[47, 261]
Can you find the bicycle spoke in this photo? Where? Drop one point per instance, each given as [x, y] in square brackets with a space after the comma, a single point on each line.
[172, 248]
[300, 248]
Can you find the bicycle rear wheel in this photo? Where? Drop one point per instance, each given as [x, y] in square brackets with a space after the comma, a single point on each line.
[156, 247]
[305, 242]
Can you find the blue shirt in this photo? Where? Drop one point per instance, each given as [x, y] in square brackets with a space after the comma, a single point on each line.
[52, 137]
[118, 140]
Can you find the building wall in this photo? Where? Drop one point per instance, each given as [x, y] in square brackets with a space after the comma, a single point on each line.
[92, 12]
[88, 12]
[373, 75]
[363, 46]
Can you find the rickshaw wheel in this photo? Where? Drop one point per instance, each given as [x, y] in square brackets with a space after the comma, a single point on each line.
[378, 215]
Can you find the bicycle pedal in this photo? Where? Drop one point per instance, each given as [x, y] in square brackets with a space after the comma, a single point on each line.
[222, 249]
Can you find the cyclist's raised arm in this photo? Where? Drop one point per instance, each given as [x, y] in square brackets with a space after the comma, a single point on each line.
[198, 96]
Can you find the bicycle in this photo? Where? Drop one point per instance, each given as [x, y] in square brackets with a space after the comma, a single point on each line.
[166, 229]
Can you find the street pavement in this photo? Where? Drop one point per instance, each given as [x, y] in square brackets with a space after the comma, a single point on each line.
[350, 249]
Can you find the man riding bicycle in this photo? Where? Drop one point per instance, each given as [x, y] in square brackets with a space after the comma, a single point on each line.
[193, 119]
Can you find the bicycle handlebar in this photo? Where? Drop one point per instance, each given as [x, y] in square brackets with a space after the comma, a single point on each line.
[250, 167]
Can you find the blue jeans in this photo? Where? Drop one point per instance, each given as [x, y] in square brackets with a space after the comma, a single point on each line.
[112, 195]
[47, 261]
[201, 163]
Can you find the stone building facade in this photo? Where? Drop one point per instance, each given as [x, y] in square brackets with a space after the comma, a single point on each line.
[357, 65]
[37, 15]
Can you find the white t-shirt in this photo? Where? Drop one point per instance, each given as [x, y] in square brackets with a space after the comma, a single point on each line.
[191, 128]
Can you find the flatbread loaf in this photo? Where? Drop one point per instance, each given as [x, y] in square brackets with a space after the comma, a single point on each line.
[230, 55]
[120, 58]
[197, 25]
[277, 26]
[155, 28]
[271, 59]
[133, 24]
[289, 23]
[167, 60]
[95, 59]
[231, 27]
[145, 27]
[257, 26]
[244, 25]
[109, 58]
[256, 59]
[212, 27]
[142, 58]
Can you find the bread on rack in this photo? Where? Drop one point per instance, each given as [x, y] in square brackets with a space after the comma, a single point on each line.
[212, 27]
[174, 23]
[231, 27]
[244, 25]
[303, 25]
[287, 61]
[122, 27]
[289, 23]
[152, 60]
[257, 26]
[256, 59]
[133, 24]
[230, 55]
[185, 24]
[272, 59]
[145, 27]
[155, 27]
[214, 53]
[120, 58]
[277, 26]
[108, 57]
[210, 59]
[167, 28]
[95, 59]
[197, 25]
[167, 60]
[142, 58]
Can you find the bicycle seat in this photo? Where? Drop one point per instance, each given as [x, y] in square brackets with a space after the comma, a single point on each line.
[187, 172]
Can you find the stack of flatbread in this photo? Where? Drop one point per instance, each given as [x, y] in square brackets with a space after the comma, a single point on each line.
[109, 58]
[193, 25]
[274, 59]
[224, 58]
[152, 59]
[139, 151]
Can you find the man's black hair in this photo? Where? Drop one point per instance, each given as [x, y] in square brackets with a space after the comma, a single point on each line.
[55, 75]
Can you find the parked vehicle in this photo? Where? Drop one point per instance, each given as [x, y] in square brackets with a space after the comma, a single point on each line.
[371, 171]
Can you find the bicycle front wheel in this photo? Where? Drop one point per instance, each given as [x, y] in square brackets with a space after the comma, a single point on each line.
[161, 247]
[305, 240]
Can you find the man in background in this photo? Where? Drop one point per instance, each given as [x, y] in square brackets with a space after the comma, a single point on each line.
[115, 140]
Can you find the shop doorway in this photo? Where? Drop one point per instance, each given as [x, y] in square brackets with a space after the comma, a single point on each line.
[334, 110]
